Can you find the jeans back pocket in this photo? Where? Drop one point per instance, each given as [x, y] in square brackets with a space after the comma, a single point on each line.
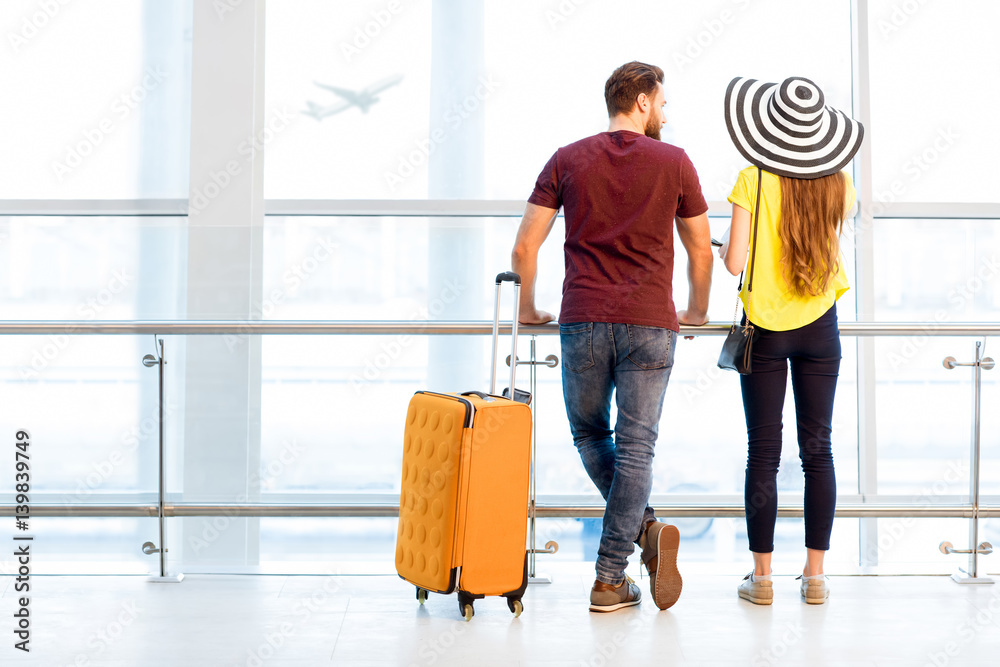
[577, 343]
[650, 348]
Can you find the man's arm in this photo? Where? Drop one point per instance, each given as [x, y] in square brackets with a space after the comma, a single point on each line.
[697, 239]
[535, 227]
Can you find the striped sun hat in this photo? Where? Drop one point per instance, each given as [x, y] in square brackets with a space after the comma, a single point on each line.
[787, 130]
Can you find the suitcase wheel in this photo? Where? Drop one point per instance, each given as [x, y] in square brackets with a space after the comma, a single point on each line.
[515, 606]
[421, 595]
[465, 605]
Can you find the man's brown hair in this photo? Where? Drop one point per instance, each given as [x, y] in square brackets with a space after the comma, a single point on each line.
[627, 82]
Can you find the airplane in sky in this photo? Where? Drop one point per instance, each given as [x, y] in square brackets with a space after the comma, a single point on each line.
[363, 99]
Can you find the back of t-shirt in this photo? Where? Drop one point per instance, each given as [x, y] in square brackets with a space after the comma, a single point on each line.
[620, 192]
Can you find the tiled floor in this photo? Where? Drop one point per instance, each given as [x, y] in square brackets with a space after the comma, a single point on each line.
[256, 621]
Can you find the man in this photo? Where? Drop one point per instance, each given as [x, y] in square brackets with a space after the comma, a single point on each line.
[621, 191]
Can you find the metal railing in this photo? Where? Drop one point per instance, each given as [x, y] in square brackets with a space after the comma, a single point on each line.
[855, 510]
[972, 510]
[425, 208]
[431, 327]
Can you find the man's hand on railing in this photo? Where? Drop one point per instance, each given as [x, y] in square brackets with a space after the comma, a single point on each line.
[691, 319]
[535, 316]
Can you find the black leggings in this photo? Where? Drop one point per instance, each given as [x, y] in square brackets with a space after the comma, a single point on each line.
[814, 353]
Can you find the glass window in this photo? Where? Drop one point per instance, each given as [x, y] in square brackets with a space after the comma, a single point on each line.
[700, 48]
[408, 268]
[507, 118]
[350, 373]
[87, 397]
[908, 545]
[709, 546]
[85, 545]
[91, 268]
[990, 424]
[357, 77]
[362, 545]
[933, 123]
[92, 404]
[926, 458]
[385, 110]
[960, 284]
[402, 268]
[100, 95]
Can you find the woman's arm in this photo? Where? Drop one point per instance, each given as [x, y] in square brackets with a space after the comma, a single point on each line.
[734, 247]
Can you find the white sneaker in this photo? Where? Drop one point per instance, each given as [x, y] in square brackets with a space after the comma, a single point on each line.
[814, 589]
[756, 589]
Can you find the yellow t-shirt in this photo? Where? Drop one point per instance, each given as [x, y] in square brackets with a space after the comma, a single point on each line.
[775, 306]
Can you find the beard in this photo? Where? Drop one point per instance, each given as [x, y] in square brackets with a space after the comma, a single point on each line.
[652, 129]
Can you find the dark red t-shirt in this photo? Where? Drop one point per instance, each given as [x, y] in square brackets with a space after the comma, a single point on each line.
[620, 192]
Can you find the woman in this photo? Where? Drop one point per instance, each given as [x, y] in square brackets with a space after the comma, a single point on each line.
[798, 147]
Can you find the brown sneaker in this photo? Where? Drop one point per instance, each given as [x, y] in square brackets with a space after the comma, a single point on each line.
[659, 544]
[756, 590]
[814, 589]
[605, 597]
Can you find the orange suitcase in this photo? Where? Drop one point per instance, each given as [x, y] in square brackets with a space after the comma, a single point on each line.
[463, 507]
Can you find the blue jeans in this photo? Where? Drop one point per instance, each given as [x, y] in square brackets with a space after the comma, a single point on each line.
[634, 361]
[813, 352]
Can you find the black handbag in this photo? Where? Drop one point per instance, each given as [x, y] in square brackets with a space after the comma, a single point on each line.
[737, 350]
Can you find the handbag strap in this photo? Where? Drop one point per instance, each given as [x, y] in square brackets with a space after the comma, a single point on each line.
[753, 252]
[753, 256]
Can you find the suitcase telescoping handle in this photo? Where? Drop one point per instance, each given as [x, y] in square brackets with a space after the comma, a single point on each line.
[516, 279]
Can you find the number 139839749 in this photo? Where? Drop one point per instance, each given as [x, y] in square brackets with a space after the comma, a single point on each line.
[22, 543]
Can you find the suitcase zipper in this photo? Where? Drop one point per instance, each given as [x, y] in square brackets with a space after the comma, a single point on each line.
[470, 409]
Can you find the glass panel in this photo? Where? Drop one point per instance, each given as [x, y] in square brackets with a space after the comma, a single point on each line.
[937, 150]
[702, 443]
[909, 545]
[288, 545]
[708, 546]
[498, 134]
[333, 408]
[88, 398]
[410, 269]
[91, 268]
[83, 545]
[304, 374]
[367, 546]
[361, 545]
[92, 408]
[330, 408]
[101, 99]
[961, 285]
[929, 456]
[405, 268]
[697, 47]
[314, 388]
[371, 140]
[989, 531]
[989, 474]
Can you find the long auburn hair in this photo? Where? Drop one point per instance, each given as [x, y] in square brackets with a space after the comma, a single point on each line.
[812, 219]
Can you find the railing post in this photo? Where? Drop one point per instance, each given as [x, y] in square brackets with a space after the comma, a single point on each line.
[551, 546]
[149, 548]
[971, 576]
[532, 501]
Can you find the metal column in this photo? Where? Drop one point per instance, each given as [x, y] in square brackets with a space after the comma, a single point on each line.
[149, 548]
[551, 546]
[971, 576]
